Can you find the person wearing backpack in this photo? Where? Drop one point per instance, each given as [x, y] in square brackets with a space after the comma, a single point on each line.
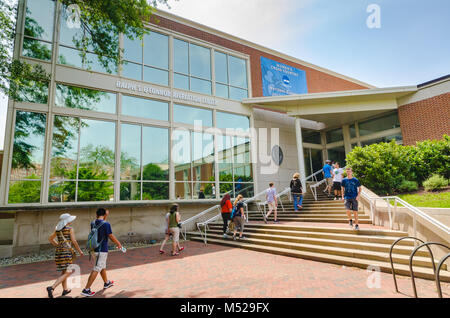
[101, 230]
[238, 216]
[296, 191]
[64, 254]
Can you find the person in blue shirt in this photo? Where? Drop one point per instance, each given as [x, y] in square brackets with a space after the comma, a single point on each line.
[351, 190]
[101, 252]
[328, 176]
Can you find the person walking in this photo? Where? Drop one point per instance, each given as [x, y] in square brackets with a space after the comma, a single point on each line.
[351, 190]
[338, 176]
[271, 198]
[168, 235]
[101, 252]
[239, 217]
[174, 227]
[64, 253]
[226, 208]
[328, 176]
[296, 191]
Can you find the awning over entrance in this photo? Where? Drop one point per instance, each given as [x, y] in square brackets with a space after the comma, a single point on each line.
[336, 108]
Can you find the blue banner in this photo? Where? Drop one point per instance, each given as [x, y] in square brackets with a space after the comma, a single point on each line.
[281, 79]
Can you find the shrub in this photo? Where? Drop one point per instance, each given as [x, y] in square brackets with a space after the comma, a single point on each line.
[431, 157]
[382, 167]
[408, 186]
[435, 182]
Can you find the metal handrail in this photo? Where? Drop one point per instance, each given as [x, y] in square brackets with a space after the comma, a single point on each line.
[405, 204]
[284, 192]
[437, 278]
[205, 227]
[195, 217]
[392, 261]
[314, 187]
[413, 280]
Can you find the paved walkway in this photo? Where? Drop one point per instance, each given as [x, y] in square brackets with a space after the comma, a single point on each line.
[213, 271]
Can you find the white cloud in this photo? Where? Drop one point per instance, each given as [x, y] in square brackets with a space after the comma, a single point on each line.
[266, 22]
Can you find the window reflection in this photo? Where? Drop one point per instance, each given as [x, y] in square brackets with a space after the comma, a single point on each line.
[145, 108]
[227, 120]
[231, 77]
[84, 98]
[188, 115]
[200, 61]
[379, 124]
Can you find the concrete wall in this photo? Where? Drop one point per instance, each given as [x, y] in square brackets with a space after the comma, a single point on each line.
[32, 228]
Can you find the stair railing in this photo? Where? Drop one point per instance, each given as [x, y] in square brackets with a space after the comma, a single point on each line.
[438, 279]
[314, 187]
[262, 206]
[197, 217]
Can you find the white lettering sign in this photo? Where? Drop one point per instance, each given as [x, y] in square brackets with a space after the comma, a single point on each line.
[166, 93]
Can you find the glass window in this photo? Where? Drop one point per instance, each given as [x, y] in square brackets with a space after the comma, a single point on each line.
[200, 86]
[68, 56]
[33, 92]
[200, 61]
[156, 50]
[181, 154]
[84, 98]
[222, 91]
[28, 149]
[155, 191]
[132, 49]
[59, 191]
[379, 124]
[155, 154]
[352, 131]
[132, 70]
[69, 31]
[398, 138]
[238, 72]
[92, 62]
[221, 70]
[334, 135]
[39, 19]
[156, 76]
[187, 115]
[181, 56]
[27, 157]
[227, 120]
[130, 191]
[238, 94]
[337, 155]
[181, 81]
[97, 155]
[63, 163]
[130, 156]
[37, 49]
[94, 191]
[202, 156]
[146, 108]
[312, 137]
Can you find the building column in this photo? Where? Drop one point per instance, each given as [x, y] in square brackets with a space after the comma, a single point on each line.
[301, 157]
[347, 142]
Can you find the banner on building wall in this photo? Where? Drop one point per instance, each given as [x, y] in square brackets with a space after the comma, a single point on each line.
[281, 79]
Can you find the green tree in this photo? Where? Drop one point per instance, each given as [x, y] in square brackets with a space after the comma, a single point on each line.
[25, 191]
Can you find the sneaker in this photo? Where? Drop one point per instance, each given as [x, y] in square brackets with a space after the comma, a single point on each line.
[356, 227]
[225, 236]
[109, 284]
[276, 221]
[234, 238]
[87, 293]
[351, 223]
[242, 237]
[66, 292]
[50, 292]
[265, 219]
[181, 249]
[335, 198]
[161, 252]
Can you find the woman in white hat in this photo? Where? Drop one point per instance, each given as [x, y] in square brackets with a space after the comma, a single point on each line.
[64, 254]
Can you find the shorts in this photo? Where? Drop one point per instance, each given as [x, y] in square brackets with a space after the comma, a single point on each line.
[100, 261]
[351, 204]
[329, 182]
[272, 206]
[337, 186]
[175, 231]
[239, 223]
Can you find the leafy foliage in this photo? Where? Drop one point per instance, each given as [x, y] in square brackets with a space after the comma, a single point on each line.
[408, 186]
[385, 167]
[435, 182]
[25, 191]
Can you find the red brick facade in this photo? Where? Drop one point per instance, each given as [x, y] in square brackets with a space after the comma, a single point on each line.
[426, 119]
[317, 81]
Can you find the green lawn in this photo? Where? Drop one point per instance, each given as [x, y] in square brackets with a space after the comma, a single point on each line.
[428, 200]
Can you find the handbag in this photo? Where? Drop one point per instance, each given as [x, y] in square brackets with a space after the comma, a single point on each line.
[74, 255]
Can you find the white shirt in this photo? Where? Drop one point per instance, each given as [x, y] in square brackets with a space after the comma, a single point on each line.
[338, 175]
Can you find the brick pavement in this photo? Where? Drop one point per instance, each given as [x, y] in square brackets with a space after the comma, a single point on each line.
[213, 271]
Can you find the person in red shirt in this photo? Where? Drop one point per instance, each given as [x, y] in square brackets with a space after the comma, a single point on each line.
[227, 207]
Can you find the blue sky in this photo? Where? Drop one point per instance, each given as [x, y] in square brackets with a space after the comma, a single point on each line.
[411, 47]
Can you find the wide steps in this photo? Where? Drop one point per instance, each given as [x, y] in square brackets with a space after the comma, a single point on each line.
[314, 220]
[349, 259]
[312, 215]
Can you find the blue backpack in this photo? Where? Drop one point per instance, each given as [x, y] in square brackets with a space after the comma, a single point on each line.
[92, 241]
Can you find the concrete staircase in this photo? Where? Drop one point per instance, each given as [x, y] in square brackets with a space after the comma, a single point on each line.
[325, 240]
